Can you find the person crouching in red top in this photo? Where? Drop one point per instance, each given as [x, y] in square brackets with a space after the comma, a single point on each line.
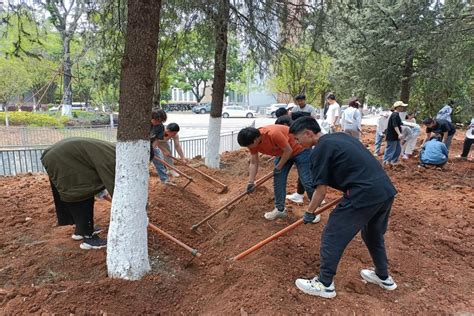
[276, 140]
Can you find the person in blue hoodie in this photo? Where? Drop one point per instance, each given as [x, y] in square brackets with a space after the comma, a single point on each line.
[434, 152]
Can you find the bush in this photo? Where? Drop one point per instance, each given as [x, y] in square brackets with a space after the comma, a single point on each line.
[32, 119]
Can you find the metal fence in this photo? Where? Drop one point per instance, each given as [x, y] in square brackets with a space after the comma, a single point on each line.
[21, 160]
[37, 137]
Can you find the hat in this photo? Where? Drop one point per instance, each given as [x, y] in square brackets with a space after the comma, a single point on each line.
[399, 103]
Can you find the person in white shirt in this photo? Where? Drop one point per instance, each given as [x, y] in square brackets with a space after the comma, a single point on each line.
[333, 113]
[382, 123]
[302, 106]
[410, 143]
[445, 112]
[351, 119]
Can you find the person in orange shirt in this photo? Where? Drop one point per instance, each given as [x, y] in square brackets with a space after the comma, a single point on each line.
[276, 140]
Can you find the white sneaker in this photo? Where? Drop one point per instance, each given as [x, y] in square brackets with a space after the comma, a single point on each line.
[275, 214]
[170, 183]
[317, 219]
[295, 197]
[173, 173]
[97, 231]
[405, 157]
[371, 277]
[316, 288]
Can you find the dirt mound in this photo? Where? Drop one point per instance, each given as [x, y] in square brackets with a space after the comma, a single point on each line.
[430, 246]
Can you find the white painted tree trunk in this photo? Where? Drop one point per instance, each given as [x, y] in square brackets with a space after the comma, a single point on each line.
[213, 142]
[66, 110]
[127, 244]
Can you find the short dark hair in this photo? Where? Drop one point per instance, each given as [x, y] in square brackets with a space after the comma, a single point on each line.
[280, 112]
[297, 115]
[300, 97]
[437, 137]
[331, 97]
[354, 103]
[451, 102]
[159, 115]
[306, 122]
[247, 136]
[283, 120]
[172, 127]
[428, 121]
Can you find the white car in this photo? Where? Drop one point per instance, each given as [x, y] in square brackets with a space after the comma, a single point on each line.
[270, 111]
[237, 111]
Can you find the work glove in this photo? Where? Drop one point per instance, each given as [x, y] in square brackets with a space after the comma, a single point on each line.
[308, 218]
[276, 171]
[250, 187]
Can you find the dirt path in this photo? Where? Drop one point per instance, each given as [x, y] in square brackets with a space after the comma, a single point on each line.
[430, 244]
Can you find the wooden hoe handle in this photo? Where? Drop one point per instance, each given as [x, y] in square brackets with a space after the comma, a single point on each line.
[237, 198]
[202, 173]
[283, 231]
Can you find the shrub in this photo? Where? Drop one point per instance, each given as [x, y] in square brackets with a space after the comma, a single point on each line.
[32, 119]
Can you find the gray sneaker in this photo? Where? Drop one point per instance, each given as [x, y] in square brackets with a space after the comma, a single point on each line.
[275, 214]
[95, 242]
[371, 277]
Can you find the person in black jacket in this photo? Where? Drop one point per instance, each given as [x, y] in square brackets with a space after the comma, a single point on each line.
[439, 126]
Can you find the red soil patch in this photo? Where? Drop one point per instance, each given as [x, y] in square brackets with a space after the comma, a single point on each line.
[429, 241]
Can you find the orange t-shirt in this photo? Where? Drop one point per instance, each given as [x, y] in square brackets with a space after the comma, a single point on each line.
[274, 139]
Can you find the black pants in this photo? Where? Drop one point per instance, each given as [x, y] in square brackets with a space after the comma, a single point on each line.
[79, 213]
[466, 146]
[343, 224]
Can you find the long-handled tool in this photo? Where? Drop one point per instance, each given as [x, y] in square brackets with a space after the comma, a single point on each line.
[224, 187]
[283, 231]
[257, 184]
[193, 251]
[167, 165]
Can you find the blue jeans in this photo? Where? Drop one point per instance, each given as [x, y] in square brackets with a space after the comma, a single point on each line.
[303, 165]
[392, 151]
[378, 142]
[160, 168]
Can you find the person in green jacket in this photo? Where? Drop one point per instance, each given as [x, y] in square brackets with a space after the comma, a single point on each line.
[78, 169]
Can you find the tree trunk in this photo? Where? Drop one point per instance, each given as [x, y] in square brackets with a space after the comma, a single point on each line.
[157, 93]
[407, 73]
[67, 69]
[127, 253]
[221, 22]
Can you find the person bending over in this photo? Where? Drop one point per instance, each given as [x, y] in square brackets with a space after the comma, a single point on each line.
[275, 140]
[343, 163]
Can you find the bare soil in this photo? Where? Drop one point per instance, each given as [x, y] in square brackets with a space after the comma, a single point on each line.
[430, 245]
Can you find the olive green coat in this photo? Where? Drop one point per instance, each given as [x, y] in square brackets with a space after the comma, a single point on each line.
[79, 168]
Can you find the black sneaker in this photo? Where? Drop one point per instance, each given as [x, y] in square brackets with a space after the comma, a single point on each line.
[94, 242]
[97, 230]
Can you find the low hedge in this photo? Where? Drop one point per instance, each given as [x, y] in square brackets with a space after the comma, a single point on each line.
[33, 119]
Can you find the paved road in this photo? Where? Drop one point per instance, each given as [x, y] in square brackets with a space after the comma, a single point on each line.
[197, 124]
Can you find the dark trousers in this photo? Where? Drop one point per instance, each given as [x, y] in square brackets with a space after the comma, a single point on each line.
[343, 224]
[79, 213]
[466, 146]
